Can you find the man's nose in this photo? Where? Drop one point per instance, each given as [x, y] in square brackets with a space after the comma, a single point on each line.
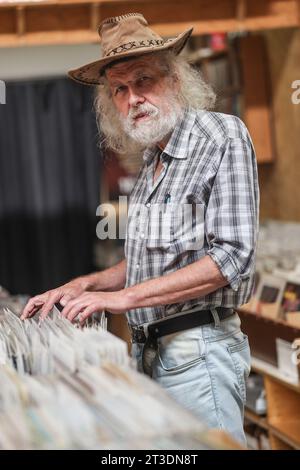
[135, 98]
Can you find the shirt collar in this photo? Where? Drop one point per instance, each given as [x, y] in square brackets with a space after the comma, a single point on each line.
[177, 146]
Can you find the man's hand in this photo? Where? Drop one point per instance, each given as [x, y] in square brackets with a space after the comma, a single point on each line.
[91, 302]
[45, 301]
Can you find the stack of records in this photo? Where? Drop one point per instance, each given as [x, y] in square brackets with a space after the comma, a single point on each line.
[64, 387]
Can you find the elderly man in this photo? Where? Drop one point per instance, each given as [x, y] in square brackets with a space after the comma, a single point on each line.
[184, 272]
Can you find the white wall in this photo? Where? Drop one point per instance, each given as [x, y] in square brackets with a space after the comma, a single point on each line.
[17, 63]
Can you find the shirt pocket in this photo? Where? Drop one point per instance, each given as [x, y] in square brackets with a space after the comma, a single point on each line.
[160, 233]
[176, 228]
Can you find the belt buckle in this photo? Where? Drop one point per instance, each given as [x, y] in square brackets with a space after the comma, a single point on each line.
[149, 347]
[138, 334]
[149, 355]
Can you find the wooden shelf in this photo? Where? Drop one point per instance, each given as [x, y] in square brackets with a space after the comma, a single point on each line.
[51, 19]
[261, 421]
[282, 422]
[278, 321]
[263, 368]
[287, 432]
[262, 333]
[284, 432]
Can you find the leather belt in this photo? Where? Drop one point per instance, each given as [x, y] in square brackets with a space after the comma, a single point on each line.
[177, 323]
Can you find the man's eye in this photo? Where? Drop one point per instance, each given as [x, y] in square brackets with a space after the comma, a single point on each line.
[143, 80]
[120, 89]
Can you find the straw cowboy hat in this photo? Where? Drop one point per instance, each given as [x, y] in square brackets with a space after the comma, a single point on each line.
[125, 36]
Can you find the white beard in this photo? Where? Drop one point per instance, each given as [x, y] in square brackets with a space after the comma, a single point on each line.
[156, 127]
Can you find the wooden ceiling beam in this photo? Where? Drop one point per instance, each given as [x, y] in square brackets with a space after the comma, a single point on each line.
[75, 21]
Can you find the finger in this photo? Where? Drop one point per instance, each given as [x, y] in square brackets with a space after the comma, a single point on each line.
[33, 311]
[66, 310]
[65, 299]
[48, 305]
[33, 304]
[31, 307]
[85, 314]
[75, 311]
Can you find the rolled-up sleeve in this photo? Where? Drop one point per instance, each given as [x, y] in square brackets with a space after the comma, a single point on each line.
[231, 219]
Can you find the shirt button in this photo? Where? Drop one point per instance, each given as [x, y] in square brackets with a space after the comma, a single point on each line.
[142, 235]
[137, 266]
[148, 204]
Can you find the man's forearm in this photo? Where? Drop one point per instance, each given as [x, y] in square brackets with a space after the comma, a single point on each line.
[111, 279]
[195, 280]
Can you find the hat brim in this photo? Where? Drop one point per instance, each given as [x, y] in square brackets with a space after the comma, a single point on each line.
[90, 74]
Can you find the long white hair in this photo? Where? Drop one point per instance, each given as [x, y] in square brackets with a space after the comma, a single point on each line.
[194, 92]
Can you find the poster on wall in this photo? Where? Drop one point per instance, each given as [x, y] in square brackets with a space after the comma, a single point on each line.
[290, 305]
[268, 296]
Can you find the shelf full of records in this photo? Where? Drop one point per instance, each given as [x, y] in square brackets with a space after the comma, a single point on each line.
[65, 387]
[276, 293]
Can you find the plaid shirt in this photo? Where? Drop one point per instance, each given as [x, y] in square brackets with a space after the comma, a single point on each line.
[210, 168]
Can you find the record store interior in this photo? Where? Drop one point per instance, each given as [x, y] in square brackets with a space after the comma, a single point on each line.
[112, 337]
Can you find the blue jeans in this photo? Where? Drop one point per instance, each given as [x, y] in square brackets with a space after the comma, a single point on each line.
[205, 369]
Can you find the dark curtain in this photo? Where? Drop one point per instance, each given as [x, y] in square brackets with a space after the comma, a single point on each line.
[49, 184]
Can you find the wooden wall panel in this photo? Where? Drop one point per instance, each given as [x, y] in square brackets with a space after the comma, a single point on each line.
[256, 95]
[283, 10]
[67, 18]
[167, 17]
[280, 181]
[169, 11]
[7, 21]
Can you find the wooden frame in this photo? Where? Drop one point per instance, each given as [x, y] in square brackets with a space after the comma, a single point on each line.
[75, 21]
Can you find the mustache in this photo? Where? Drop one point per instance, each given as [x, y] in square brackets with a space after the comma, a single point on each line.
[142, 109]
